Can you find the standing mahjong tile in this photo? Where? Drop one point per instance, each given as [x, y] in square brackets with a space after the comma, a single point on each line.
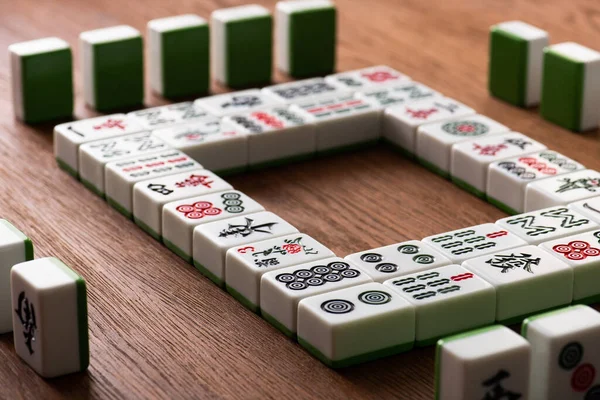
[293, 92]
[179, 55]
[306, 37]
[516, 62]
[398, 259]
[275, 135]
[400, 122]
[151, 195]
[241, 44]
[207, 142]
[434, 141]
[508, 179]
[15, 248]
[470, 160]
[172, 114]
[400, 93]
[282, 290]
[245, 264]
[341, 122]
[448, 300]
[179, 218]
[582, 253]
[120, 176]
[69, 136]
[93, 156]
[236, 102]
[547, 224]
[462, 244]
[212, 241]
[50, 322]
[565, 354]
[588, 207]
[562, 190]
[527, 280]
[365, 78]
[355, 325]
[488, 363]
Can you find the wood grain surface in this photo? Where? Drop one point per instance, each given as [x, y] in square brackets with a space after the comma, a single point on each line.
[158, 329]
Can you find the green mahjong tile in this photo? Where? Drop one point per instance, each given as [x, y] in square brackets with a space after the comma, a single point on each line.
[27, 242]
[508, 67]
[543, 315]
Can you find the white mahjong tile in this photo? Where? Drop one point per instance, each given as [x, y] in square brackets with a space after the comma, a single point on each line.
[462, 244]
[588, 207]
[400, 93]
[508, 179]
[448, 300]
[359, 79]
[179, 218]
[582, 253]
[149, 196]
[69, 136]
[207, 142]
[236, 102]
[282, 290]
[172, 114]
[470, 160]
[245, 264]
[398, 259]
[293, 92]
[435, 140]
[527, 280]
[565, 353]
[562, 190]
[400, 122]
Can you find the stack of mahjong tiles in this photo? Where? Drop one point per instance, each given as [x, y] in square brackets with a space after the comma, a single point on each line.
[162, 167]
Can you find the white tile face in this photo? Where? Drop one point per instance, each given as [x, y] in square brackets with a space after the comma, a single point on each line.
[565, 354]
[172, 114]
[95, 155]
[275, 134]
[298, 91]
[356, 321]
[378, 76]
[483, 364]
[120, 176]
[397, 94]
[527, 279]
[588, 207]
[462, 244]
[206, 141]
[470, 160]
[12, 251]
[547, 224]
[562, 190]
[400, 122]
[341, 120]
[68, 136]
[582, 253]
[473, 301]
[282, 290]
[149, 196]
[246, 264]
[508, 179]
[435, 140]
[179, 218]
[398, 259]
[236, 102]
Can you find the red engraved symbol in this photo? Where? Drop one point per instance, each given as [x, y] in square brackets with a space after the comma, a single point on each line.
[179, 159]
[576, 250]
[498, 234]
[466, 128]
[195, 180]
[583, 377]
[198, 210]
[421, 114]
[380, 76]
[537, 165]
[462, 277]
[111, 123]
[246, 249]
[490, 149]
[268, 120]
[292, 248]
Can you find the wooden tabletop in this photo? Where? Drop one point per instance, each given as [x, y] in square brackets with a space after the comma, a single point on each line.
[158, 329]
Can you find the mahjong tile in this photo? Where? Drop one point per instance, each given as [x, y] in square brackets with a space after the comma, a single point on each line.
[172, 114]
[237, 102]
[293, 92]
[448, 300]
[462, 244]
[398, 259]
[588, 207]
[400, 93]
[527, 280]
[562, 190]
[378, 76]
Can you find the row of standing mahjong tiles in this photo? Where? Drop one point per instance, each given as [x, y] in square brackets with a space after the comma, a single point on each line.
[154, 166]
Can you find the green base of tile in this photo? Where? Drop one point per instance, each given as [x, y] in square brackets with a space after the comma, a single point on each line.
[177, 250]
[519, 319]
[282, 161]
[347, 148]
[467, 187]
[529, 320]
[502, 206]
[231, 171]
[273, 321]
[588, 300]
[113, 203]
[26, 241]
[92, 188]
[401, 150]
[147, 229]
[67, 168]
[433, 168]
[239, 297]
[359, 359]
[216, 280]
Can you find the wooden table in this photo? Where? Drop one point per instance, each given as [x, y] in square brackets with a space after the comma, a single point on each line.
[158, 329]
